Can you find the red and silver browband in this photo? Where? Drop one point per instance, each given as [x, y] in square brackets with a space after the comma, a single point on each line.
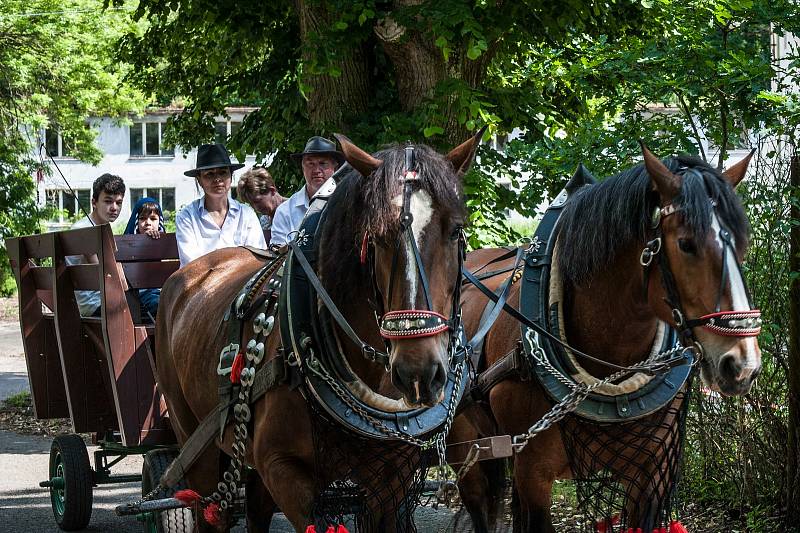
[409, 324]
[732, 323]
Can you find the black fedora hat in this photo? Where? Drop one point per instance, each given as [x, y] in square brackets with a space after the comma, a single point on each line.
[320, 146]
[212, 156]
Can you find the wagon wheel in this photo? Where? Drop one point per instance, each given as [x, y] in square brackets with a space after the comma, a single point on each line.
[173, 520]
[70, 482]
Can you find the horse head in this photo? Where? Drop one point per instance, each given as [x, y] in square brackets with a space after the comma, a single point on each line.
[405, 231]
[703, 234]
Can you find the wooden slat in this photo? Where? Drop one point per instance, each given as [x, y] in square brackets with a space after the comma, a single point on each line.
[38, 333]
[42, 277]
[496, 447]
[85, 277]
[75, 361]
[38, 246]
[143, 248]
[149, 275]
[82, 241]
[126, 352]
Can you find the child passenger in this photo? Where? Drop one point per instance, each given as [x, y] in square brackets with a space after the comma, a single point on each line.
[147, 218]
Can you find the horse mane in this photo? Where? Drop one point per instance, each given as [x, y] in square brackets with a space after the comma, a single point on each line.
[360, 205]
[602, 219]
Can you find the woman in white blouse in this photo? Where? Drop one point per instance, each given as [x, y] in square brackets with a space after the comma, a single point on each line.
[215, 220]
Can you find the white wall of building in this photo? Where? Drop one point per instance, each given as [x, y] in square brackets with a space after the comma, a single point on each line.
[149, 172]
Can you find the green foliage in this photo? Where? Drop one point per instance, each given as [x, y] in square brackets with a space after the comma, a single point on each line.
[344, 66]
[19, 400]
[56, 71]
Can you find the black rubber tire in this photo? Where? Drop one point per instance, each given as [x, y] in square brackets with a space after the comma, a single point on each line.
[72, 505]
[155, 464]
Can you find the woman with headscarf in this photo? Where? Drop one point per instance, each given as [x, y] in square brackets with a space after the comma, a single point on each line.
[147, 218]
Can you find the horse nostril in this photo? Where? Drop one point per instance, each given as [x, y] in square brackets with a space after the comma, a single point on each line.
[439, 378]
[731, 368]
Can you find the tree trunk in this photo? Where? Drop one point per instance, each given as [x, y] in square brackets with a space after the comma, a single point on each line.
[793, 448]
[332, 99]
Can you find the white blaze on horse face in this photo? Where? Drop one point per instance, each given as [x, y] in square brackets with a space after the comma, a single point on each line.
[739, 301]
[421, 208]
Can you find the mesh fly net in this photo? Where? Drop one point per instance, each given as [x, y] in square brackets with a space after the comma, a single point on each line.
[626, 474]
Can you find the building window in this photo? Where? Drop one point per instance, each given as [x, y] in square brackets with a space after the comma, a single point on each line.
[225, 130]
[146, 140]
[68, 207]
[165, 197]
[55, 144]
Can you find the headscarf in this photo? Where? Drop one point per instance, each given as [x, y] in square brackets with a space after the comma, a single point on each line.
[133, 226]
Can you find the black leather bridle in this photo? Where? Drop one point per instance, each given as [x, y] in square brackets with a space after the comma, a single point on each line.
[745, 323]
[413, 323]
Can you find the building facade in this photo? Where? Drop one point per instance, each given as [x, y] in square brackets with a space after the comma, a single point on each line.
[135, 153]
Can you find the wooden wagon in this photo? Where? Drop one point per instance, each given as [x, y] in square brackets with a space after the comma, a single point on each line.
[97, 371]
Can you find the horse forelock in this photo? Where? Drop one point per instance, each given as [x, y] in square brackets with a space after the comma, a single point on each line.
[367, 205]
[603, 219]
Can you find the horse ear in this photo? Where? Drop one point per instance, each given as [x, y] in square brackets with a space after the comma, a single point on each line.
[666, 183]
[360, 160]
[737, 172]
[462, 155]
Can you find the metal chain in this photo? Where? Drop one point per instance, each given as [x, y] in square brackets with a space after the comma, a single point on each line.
[437, 440]
[579, 391]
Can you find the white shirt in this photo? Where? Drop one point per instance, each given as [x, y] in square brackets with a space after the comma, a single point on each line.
[288, 217]
[88, 301]
[197, 233]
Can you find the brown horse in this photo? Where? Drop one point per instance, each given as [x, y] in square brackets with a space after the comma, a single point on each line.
[601, 234]
[364, 211]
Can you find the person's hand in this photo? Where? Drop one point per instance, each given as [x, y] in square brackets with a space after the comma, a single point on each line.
[153, 233]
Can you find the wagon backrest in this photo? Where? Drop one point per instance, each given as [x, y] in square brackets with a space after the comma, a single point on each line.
[107, 375]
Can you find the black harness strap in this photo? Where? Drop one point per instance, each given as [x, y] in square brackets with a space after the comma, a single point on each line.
[669, 363]
[369, 351]
[499, 303]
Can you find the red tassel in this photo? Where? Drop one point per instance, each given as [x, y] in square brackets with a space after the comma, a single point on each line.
[311, 529]
[676, 527]
[213, 515]
[341, 529]
[187, 497]
[236, 368]
[606, 524]
[330, 529]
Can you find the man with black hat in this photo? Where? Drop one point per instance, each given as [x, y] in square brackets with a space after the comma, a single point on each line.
[319, 160]
[215, 220]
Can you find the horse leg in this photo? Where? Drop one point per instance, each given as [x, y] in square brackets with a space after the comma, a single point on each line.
[291, 484]
[475, 488]
[535, 498]
[283, 453]
[260, 505]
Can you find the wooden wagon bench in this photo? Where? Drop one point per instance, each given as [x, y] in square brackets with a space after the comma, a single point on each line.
[97, 371]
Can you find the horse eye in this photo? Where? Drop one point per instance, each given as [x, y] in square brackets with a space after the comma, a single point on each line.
[687, 246]
[456, 233]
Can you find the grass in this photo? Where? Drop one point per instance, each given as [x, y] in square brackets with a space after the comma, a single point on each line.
[19, 400]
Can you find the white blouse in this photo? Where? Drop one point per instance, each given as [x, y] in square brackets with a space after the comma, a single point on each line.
[197, 233]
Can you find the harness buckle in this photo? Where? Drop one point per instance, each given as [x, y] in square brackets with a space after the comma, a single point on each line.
[369, 352]
[677, 316]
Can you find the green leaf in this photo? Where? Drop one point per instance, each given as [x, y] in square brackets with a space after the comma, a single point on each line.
[430, 131]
